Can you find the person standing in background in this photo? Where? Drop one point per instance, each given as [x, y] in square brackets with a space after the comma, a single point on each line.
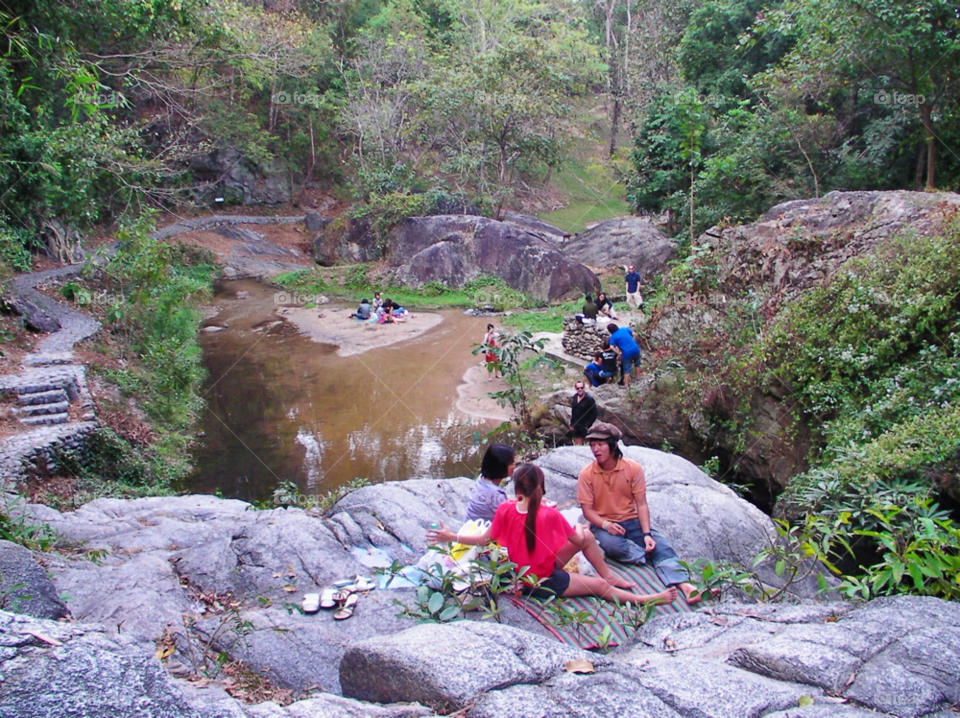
[583, 413]
[491, 340]
[633, 282]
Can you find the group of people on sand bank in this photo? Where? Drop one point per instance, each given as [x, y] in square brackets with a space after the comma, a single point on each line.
[382, 311]
[611, 491]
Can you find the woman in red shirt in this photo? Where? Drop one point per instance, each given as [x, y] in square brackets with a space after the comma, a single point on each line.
[538, 537]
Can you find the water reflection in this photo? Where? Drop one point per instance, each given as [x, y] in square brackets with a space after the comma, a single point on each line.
[281, 407]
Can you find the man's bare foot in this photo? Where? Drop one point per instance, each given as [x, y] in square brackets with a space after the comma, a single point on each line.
[693, 596]
[618, 582]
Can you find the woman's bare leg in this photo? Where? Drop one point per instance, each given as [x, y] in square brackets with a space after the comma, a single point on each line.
[581, 585]
[584, 540]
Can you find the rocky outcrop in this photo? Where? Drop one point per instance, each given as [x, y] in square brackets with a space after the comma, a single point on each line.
[59, 669]
[622, 241]
[797, 244]
[24, 585]
[455, 249]
[228, 174]
[448, 666]
[897, 656]
[206, 576]
[536, 226]
[758, 267]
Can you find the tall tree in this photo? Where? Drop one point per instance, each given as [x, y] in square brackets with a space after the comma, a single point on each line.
[905, 54]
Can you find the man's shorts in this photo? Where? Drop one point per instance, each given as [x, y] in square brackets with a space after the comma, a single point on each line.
[629, 362]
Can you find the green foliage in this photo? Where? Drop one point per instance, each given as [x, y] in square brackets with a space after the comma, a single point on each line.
[513, 357]
[16, 527]
[159, 288]
[922, 560]
[448, 595]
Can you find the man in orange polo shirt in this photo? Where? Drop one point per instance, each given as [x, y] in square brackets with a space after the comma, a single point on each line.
[612, 492]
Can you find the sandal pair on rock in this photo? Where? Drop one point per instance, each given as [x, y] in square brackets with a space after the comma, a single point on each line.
[342, 593]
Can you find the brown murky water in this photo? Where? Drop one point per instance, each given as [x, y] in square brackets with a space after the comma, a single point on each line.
[281, 407]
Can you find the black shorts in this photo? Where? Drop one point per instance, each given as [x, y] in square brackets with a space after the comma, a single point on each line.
[556, 585]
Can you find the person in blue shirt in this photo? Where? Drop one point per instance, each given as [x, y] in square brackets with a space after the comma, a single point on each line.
[593, 369]
[633, 281]
[622, 339]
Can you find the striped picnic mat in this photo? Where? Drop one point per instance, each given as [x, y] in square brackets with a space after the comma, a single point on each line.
[623, 621]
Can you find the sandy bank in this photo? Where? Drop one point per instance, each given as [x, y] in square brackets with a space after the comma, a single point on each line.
[353, 337]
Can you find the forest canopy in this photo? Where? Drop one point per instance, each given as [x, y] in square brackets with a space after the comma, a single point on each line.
[715, 109]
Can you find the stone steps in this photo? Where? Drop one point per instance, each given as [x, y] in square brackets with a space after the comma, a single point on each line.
[46, 419]
[52, 396]
[59, 407]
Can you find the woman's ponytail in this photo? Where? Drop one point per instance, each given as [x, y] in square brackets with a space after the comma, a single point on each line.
[528, 481]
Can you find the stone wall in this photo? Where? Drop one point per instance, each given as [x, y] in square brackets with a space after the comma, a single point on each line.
[582, 340]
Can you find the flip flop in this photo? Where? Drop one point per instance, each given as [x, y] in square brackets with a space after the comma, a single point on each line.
[328, 599]
[364, 583]
[346, 610]
[311, 602]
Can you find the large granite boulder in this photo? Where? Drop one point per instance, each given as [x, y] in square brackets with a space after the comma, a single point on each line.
[24, 585]
[456, 249]
[796, 245]
[702, 517]
[899, 655]
[536, 226]
[447, 666]
[60, 669]
[622, 241]
[229, 174]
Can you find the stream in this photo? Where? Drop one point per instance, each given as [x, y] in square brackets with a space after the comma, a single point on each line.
[282, 407]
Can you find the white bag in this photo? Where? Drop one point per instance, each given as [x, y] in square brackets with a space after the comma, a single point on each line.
[457, 560]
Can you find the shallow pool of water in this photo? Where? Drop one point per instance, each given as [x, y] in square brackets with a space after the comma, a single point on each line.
[281, 407]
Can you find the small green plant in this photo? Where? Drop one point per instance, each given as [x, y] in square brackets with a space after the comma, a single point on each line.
[514, 358]
[923, 561]
[16, 527]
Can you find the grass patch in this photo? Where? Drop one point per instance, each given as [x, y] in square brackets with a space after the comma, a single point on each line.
[595, 195]
[358, 281]
[544, 320]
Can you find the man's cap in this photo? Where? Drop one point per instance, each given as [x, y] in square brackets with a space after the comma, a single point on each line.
[603, 432]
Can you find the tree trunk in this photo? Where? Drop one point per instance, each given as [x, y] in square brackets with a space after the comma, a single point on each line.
[918, 175]
[614, 123]
[925, 117]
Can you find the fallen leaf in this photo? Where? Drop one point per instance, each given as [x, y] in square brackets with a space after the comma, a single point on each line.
[289, 589]
[380, 526]
[719, 620]
[581, 665]
[832, 619]
[40, 636]
[277, 575]
[805, 701]
[165, 651]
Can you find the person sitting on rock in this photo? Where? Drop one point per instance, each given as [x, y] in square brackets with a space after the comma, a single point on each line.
[539, 537]
[583, 412]
[588, 314]
[497, 465]
[608, 361]
[593, 369]
[605, 306]
[363, 311]
[612, 492]
[377, 301]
